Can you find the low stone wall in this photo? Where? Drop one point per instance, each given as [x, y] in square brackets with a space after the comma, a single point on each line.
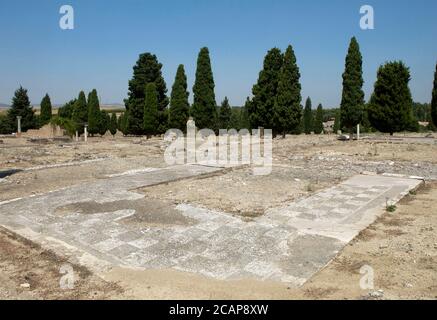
[48, 131]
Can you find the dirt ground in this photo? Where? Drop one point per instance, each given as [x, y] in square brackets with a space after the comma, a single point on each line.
[224, 192]
[401, 247]
[30, 272]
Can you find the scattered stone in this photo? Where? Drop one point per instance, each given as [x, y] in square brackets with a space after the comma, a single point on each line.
[376, 294]
[343, 137]
[25, 285]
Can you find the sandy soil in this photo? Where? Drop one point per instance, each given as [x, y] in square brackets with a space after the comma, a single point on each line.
[225, 192]
[29, 272]
[302, 165]
[44, 165]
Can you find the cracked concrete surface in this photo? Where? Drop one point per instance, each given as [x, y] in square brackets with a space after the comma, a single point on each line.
[108, 221]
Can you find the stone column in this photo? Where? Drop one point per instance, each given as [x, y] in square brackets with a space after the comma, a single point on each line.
[85, 136]
[358, 131]
[191, 141]
[19, 125]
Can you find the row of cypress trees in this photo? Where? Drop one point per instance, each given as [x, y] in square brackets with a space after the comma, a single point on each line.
[146, 105]
[82, 111]
[276, 101]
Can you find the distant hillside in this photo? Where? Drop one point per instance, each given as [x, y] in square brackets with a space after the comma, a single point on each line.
[4, 106]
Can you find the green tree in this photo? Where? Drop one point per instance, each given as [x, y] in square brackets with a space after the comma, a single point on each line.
[434, 100]
[122, 123]
[366, 126]
[235, 120]
[265, 91]
[308, 117]
[146, 70]
[150, 121]
[287, 110]
[113, 124]
[318, 120]
[66, 111]
[21, 107]
[390, 107]
[179, 106]
[244, 115]
[104, 122]
[80, 112]
[204, 109]
[337, 125]
[225, 113]
[352, 99]
[94, 115]
[5, 124]
[46, 110]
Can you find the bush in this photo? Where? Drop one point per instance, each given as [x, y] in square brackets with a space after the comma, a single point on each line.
[65, 123]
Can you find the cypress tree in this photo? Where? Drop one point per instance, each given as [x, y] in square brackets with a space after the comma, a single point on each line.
[113, 124]
[352, 99]
[225, 113]
[434, 100]
[66, 111]
[119, 121]
[104, 121]
[80, 112]
[337, 125]
[146, 70]
[308, 117]
[390, 107]
[150, 121]
[244, 115]
[46, 110]
[204, 109]
[122, 123]
[94, 114]
[287, 110]
[21, 107]
[179, 106]
[318, 121]
[265, 91]
[235, 120]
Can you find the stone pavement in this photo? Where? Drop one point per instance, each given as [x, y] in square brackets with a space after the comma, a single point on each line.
[288, 244]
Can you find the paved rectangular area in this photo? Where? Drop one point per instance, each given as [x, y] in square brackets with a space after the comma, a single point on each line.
[287, 244]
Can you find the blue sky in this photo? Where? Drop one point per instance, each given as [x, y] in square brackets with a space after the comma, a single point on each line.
[109, 35]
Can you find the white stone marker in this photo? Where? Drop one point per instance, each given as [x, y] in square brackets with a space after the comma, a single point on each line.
[85, 132]
[19, 125]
